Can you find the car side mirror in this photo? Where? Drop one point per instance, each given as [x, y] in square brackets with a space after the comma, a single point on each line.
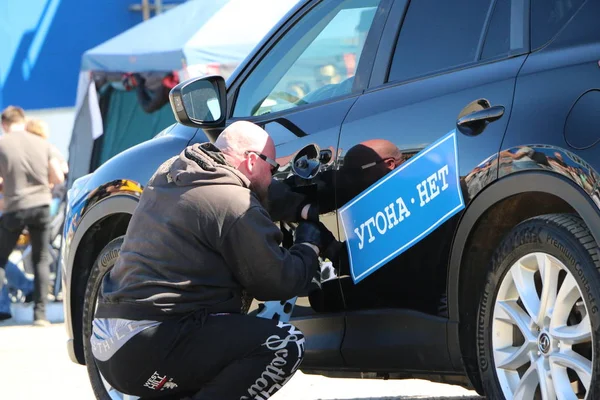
[307, 162]
[200, 102]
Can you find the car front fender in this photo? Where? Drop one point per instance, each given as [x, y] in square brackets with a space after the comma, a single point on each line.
[572, 196]
[93, 212]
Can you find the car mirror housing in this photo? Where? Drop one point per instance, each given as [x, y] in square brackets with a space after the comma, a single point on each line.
[200, 102]
[307, 164]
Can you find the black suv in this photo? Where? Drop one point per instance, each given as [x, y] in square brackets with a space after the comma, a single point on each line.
[504, 296]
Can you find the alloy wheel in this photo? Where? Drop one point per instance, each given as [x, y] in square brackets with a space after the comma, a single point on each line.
[541, 334]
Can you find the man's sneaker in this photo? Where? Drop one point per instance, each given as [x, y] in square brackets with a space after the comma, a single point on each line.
[28, 298]
[41, 322]
[5, 316]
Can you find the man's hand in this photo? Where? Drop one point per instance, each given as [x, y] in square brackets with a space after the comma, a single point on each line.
[308, 233]
[327, 238]
[310, 212]
[315, 234]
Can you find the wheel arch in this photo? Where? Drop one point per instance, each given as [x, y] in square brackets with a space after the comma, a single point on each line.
[99, 225]
[505, 203]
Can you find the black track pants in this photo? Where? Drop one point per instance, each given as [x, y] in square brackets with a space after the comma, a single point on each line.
[37, 221]
[218, 357]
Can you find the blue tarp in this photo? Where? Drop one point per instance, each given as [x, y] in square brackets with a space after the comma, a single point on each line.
[195, 32]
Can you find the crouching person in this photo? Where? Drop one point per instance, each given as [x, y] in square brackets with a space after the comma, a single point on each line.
[171, 320]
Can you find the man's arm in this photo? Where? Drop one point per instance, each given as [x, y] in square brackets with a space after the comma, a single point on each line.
[284, 203]
[55, 173]
[266, 270]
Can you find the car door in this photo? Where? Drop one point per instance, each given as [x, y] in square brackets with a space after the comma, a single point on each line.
[300, 87]
[437, 61]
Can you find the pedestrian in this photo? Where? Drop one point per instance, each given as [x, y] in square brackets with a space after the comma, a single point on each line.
[40, 128]
[37, 127]
[27, 170]
[171, 316]
[59, 191]
[16, 279]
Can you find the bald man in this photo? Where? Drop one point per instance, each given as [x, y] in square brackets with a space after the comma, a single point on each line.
[171, 318]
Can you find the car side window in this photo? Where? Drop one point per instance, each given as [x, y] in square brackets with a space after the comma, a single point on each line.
[497, 39]
[315, 60]
[438, 35]
[548, 17]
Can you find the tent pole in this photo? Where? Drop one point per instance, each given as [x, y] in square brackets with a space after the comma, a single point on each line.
[145, 9]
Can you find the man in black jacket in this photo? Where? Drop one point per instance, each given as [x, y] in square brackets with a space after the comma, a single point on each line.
[200, 245]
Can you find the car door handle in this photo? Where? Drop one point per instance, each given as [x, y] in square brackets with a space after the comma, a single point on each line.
[474, 123]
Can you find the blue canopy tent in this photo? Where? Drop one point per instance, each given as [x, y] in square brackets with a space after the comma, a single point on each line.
[158, 44]
[195, 38]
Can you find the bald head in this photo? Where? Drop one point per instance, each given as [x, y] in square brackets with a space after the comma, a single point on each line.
[384, 148]
[242, 136]
[371, 151]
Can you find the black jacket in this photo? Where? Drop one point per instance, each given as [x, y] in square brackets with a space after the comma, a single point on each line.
[200, 239]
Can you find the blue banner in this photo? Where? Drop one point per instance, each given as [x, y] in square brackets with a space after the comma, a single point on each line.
[403, 207]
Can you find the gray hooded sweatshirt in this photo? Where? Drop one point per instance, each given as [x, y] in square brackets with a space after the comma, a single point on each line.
[200, 239]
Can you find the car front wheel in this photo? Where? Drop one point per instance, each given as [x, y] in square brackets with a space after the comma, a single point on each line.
[538, 320]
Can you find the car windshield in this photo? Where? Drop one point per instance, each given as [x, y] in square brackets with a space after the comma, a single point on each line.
[314, 61]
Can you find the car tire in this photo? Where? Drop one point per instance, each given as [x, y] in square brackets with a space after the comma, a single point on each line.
[104, 263]
[538, 318]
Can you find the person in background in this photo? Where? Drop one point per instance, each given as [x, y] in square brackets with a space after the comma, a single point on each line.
[16, 279]
[27, 169]
[40, 128]
[37, 127]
